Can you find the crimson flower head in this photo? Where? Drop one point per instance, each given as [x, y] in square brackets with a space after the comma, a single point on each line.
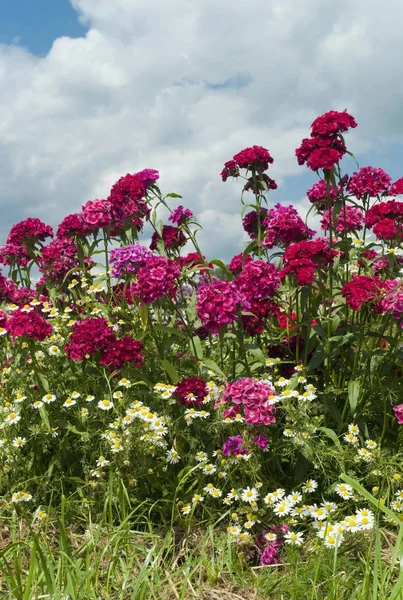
[255, 158]
[148, 176]
[326, 146]
[218, 304]
[361, 290]
[191, 391]
[173, 238]
[369, 181]
[29, 231]
[321, 195]
[250, 221]
[89, 336]
[333, 123]
[73, 224]
[180, 215]
[30, 324]
[121, 352]
[156, 279]
[283, 225]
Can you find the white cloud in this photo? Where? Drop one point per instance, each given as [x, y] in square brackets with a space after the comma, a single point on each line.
[181, 86]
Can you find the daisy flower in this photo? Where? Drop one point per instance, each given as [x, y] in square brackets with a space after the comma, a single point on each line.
[37, 404]
[69, 402]
[105, 404]
[18, 442]
[102, 462]
[173, 456]
[282, 508]
[48, 398]
[293, 538]
[249, 495]
[310, 486]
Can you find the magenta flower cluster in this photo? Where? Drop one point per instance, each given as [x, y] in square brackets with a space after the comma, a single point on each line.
[250, 398]
[127, 260]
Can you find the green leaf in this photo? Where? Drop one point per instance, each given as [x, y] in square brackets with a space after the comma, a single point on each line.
[170, 370]
[374, 501]
[143, 312]
[43, 381]
[210, 364]
[331, 435]
[318, 357]
[173, 195]
[196, 348]
[354, 390]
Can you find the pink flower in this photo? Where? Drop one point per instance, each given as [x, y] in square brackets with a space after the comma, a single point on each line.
[157, 278]
[29, 231]
[321, 196]
[147, 177]
[349, 219]
[173, 238]
[250, 222]
[361, 290]
[238, 262]
[14, 254]
[97, 214]
[333, 123]
[191, 391]
[369, 181]
[260, 184]
[254, 158]
[283, 225]
[31, 324]
[230, 169]
[218, 304]
[303, 258]
[258, 280]
[73, 224]
[398, 409]
[180, 215]
[396, 188]
[88, 337]
[121, 352]
[251, 396]
[325, 147]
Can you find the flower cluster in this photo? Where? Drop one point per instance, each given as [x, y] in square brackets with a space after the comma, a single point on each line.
[156, 278]
[89, 336]
[349, 219]
[283, 225]
[303, 258]
[173, 238]
[251, 397]
[255, 159]
[191, 391]
[127, 260]
[218, 304]
[326, 146]
[386, 220]
[369, 181]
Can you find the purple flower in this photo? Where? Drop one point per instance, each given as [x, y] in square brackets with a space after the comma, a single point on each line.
[148, 176]
[180, 215]
[233, 445]
[261, 441]
[128, 259]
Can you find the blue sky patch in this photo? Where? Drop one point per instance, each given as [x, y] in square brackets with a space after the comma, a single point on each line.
[35, 24]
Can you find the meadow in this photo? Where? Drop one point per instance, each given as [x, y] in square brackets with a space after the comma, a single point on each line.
[173, 426]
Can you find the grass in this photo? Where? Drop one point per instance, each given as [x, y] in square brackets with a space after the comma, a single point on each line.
[121, 555]
[132, 561]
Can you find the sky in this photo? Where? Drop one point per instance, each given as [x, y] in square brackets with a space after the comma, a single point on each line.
[94, 89]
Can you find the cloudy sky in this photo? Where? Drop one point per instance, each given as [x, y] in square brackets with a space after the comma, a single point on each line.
[93, 89]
